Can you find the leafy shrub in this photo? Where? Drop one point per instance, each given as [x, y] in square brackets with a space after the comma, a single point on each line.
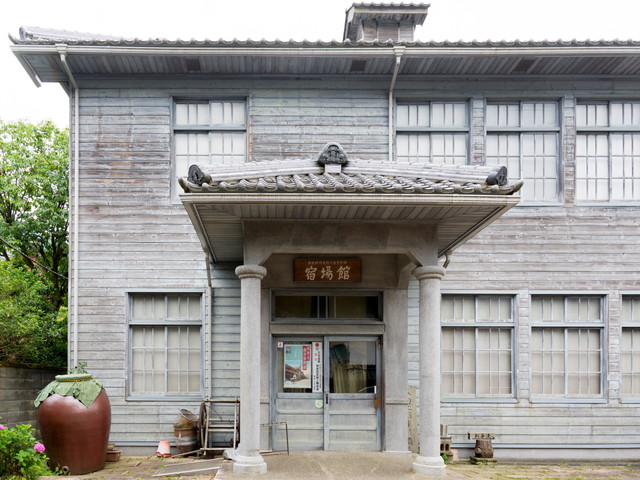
[21, 457]
[32, 334]
[33, 243]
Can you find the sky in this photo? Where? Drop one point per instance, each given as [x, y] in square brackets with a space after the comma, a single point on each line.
[451, 20]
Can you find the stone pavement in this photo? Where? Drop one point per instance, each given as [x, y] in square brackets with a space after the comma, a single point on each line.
[353, 465]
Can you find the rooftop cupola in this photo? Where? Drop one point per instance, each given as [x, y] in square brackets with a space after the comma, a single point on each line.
[383, 22]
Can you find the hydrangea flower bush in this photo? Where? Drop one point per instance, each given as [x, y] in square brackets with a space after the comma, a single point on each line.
[21, 456]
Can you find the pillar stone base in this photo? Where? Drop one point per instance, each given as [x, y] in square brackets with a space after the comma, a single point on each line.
[430, 466]
[401, 453]
[253, 464]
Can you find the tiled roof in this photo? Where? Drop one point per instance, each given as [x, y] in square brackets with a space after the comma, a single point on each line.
[97, 55]
[358, 177]
[40, 36]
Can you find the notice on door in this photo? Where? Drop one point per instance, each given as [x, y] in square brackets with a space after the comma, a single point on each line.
[316, 377]
[297, 366]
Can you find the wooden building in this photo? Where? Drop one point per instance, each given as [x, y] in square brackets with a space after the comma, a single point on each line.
[273, 221]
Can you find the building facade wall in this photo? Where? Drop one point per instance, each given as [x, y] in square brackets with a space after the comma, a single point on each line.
[138, 239]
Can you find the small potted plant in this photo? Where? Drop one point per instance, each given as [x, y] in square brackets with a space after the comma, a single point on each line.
[74, 415]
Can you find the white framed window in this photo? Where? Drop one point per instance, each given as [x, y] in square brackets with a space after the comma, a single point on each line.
[209, 132]
[608, 152]
[165, 345]
[432, 132]
[477, 346]
[566, 346]
[523, 136]
[630, 348]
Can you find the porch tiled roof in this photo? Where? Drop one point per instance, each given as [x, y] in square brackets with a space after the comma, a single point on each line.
[356, 177]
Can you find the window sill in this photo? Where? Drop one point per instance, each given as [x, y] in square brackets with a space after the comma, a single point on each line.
[491, 400]
[606, 204]
[571, 401]
[630, 400]
[184, 398]
[333, 321]
[555, 204]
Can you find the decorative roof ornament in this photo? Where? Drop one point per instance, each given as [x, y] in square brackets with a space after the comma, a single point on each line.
[498, 176]
[333, 157]
[196, 175]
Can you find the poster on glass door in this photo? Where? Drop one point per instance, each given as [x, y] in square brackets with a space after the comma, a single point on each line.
[316, 376]
[297, 366]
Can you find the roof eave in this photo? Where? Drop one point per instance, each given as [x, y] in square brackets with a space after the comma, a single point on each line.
[496, 206]
[475, 229]
[341, 50]
[403, 199]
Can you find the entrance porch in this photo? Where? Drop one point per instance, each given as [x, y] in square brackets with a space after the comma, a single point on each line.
[397, 224]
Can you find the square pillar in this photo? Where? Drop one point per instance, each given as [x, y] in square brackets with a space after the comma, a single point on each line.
[429, 462]
[395, 368]
[249, 459]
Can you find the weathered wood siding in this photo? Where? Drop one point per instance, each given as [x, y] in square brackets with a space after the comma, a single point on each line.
[564, 249]
[295, 119]
[225, 333]
[133, 236]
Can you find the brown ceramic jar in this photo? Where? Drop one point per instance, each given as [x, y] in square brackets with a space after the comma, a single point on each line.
[75, 436]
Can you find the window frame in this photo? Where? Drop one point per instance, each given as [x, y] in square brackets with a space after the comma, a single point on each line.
[521, 131]
[606, 130]
[209, 128]
[163, 325]
[625, 326]
[430, 129]
[565, 326]
[477, 326]
[326, 294]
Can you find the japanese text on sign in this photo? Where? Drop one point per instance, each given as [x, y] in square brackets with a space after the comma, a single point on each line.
[297, 366]
[316, 377]
[327, 270]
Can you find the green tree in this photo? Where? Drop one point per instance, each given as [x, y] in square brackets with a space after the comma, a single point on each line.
[33, 239]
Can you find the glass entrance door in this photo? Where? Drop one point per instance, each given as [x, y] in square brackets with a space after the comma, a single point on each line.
[352, 415]
[327, 392]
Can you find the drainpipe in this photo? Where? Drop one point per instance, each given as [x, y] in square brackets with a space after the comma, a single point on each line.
[447, 258]
[398, 51]
[208, 380]
[62, 51]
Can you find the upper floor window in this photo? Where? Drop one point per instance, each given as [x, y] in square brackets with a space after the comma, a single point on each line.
[566, 346]
[477, 346]
[630, 347]
[435, 132]
[209, 132]
[608, 152]
[165, 345]
[523, 136]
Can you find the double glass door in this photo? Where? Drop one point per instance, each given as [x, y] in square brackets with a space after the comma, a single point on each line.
[327, 390]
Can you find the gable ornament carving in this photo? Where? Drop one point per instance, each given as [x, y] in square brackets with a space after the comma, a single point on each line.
[333, 154]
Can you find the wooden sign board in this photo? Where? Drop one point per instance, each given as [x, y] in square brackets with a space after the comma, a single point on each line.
[327, 270]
